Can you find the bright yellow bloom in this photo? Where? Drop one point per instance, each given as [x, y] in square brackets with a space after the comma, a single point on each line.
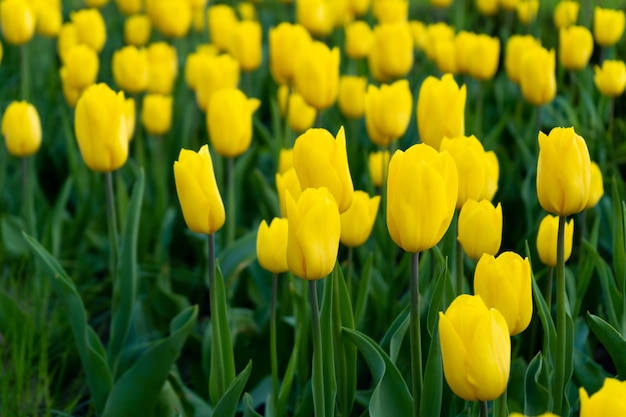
[70, 93]
[316, 16]
[493, 175]
[271, 245]
[608, 26]
[287, 182]
[378, 162]
[487, 7]
[284, 40]
[221, 20]
[393, 49]
[610, 79]
[485, 57]
[563, 172]
[547, 239]
[316, 74]
[197, 190]
[357, 222]
[537, 76]
[419, 33]
[90, 28]
[21, 129]
[17, 20]
[416, 223]
[130, 69]
[285, 161]
[527, 10]
[100, 128]
[313, 235]
[445, 56]
[566, 13]
[475, 349]
[390, 11]
[162, 68]
[247, 10]
[440, 110]
[436, 33]
[80, 65]
[359, 38]
[359, 7]
[171, 18]
[301, 115]
[351, 100]
[516, 48]
[575, 47]
[129, 7]
[130, 117]
[610, 400]
[48, 16]
[156, 114]
[596, 190]
[67, 38]
[388, 111]
[215, 73]
[480, 228]
[464, 42]
[246, 44]
[137, 29]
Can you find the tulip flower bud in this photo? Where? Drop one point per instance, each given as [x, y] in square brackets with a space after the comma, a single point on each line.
[527, 11]
[301, 115]
[49, 18]
[67, 38]
[440, 110]
[393, 48]
[221, 20]
[284, 40]
[388, 111]
[492, 176]
[566, 13]
[130, 117]
[516, 48]
[316, 74]
[475, 349]
[537, 76]
[229, 121]
[171, 18]
[487, 7]
[21, 129]
[129, 7]
[480, 228]
[90, 28]
[359, 7]
[316, 16]
[100, 128]
[357, 222]
[287, 181]
[419, 33]
[596, 190]
[390, 11]
[351, 100]
[156, 114]
[246, 44]
[485, 57]
[17, 20]
[575, 47]
[162, 68]
[137, 29]
[415, 223]
[378, 163]
[563, 172]
[197, 190]
[215, 73]
[359, 38]
[610, 79]
[271, 245]
[321, 160]
[609, 400]
[509, 4]
[130, 69]
[445, 56]
[313, 235]
[80, 65]
[608, 26]
[547, 239]
[436, 33]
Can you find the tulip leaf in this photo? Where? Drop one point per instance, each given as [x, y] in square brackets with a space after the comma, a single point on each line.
[11, 314]
[363, 291]
[537, 390]
[613, 342]
[544, 313]
[90, 350]
[248, 407]
[268, 193]
[285, 387]
[227, 405]
[238, 255]
[395, 333]
[12, 238]
[328, 347]
[391, 396]
[607, 283]
[57, 217]
[435, 303]
[619, 244]
[433, 373]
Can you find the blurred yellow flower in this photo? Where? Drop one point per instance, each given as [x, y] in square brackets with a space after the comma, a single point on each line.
[393, 49]
[487, 7]
[609, 400]
[17, 20]
[129, 7]
[48, 16]
[215, 73]
[516, 48]
[285, 160]
[378, 162]
[316, 74]
[316, 16]
[608, 26]
[156, 114]
[137, 29]
[492, 177]
[566, 13]
[357, 222]
[130, 69]
[388, 111]
[162, 67]
[436, 33]
[547, 239]
[130, 117]
[575, 47]
[486, 55]
[287, 182]
[527, 10]
[301, 115]
[90, 28]
[445, 56]
[67, 38]
[419, 33]
[172, 18]
[246, 44]
[596, 190]
[390, 11]
[80, 65]
[284, 40]
[610, 78]
[221, 20]
[359, 38]
[537, 75]
[21, 129]
[351, 100]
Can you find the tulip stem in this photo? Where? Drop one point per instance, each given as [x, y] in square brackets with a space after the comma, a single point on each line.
[273, 348]
[112, 222]
[561, 329]
[350, 268]
[27, 198]
[231, 211]
[484, 409]
[548, 294]
[319, 402]
[25, 72]
[416, 336]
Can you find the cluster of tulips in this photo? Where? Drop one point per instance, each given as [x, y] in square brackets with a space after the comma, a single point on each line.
[417, 191]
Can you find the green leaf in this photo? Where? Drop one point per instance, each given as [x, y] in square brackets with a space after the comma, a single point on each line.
[90, 350]
[248, 407]
[363, 291]
[619, 244]
[328, 348]
[285, 387]
[547, 323]
[391, 396]
[607, 283]
[435, 303]
[238, 255]
[11, 315]
[537, 390]
[432, 391]
[613, 342]
[137, 391]
[57, 217]
[12, 239]
[227, 405]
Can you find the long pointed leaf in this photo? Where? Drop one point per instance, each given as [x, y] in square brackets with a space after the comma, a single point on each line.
[613, 342]
[433, 373]
[227, 405]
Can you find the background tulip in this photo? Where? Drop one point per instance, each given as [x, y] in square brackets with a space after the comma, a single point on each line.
[378, 163]
[284, 39]
[221, 21]
[316, 74]
[537, 76]
[137, 29]
[393, 47]
[610, 78]
[547, 239]
[357, 222]
[90, 28]
[287, 181]
[130, 69]
[609, 400]
[359, 38]
[486, 55]
[492, 177]
[487, 7]
[162, 67]
[215, 73]
[129, 7]
[156, 114]
[271, 245]
[246, 44]
[351, 99]
[390, 11]
[130, 117]
[301, 115]
[596, 186]
[316, 16]
[172, 18]
[527, 10]
[80, 65]
[566, 13]
[21, 129]
[575, 47]
[388, 111]
[516, 47]
[608, 26]
[17, 20]
[480, 228]
[48, 16]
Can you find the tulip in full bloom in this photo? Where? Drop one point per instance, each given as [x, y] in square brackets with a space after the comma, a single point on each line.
[321, 160]
[415, 223]
[246, 44]
[480, 228]
[610, 78]
[608, 26]
[359, 38]
[566, 13]
[284, 40]
[547, 239]
[485, 57]
[129, 7]
[516, 47]
[197, 190]
[80, 67]
[21, 129]
[351, 100]
[596, 190]
[316, 74]
[17, 20]
[357, 222]
[390, 11]
[610, 400]
[575, 47]
[172, 18]
[287, 182]
[563, 172]
[301, 116]
[156, 114]
[388, 111]
[378, 162]
[440, 110]
[137, 30]
[537, 76]
[271, 245]
[100, 128]
[527, 10]
[215, 73]
[314, 229]
[475, 349]
[316, 16]
[162, 67]
[221, 20]
[90, 28]
[130, 69]
[392, 48]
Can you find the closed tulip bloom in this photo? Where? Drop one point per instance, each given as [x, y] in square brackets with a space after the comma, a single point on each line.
[566, 13]
[464, 48]
[492, 176]
[70, 93]
[440, 110]
[162, 68]
[284, 41]
[130, 117]
[480, 228]
[547, 239]
[130, 69]
[537, 76]
[221, 20]
[418, 31]
[351, 98]
[608, 26]
[49, 18]
[393, 45]
[504, 283]
[317, 74]
[436, 33]
[198, 20]
[563, 172]
[359, 38]
[301, 115]
[388, 111]
[18, 21]
[516, 47]
[247, 11]
[357, 222]
[137, 29]
[246, 44]
[486, 56]
[197, 190]
[156, 114]
[378, 162]
[313, 233]
[287, 182]
[216, 73]
[21, 129]
[610, 400]
[390, 11]
[509, 4]
[596, 190]
[415, 223]
[81, 66]
[445, 56]
[172, 18]
[285, 161]
[359, 7]
[90, 28]
[610, 78]
[67, 38]
[129, 7]
[527, 10]
[100, 128]
[575, 47]
[487, 7]
[194, 67]
[475, 349]
[316, 16]
[271, 245]
[229, 121]
[321, 160]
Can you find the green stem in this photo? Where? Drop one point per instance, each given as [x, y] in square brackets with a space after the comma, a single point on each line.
[25, 72]
[561, 329]
[459, 263]
[231, 209]
[112, 222]
[350, 268]
[416, 337]
[319, 402]
[548, 289]
[273, 348]
[27, 198]
[484, 409]
[501, 405]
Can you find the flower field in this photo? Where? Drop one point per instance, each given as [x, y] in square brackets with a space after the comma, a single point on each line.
[312, 208]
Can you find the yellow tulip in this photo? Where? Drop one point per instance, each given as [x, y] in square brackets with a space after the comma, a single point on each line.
[610, 78]
[247, 10]
[610, 400]
[316, 16]
[516, 48]
[393, 48]
[563, 172]
[247, 44]
[492, 176]
[596, 190]
[221, 20]
[130, 117]
[301, 115]
[475, 349]
[130, 69]
[49, 18]
[80, 65]
[287, 182]
[388, 111]
[68, 37]
[440, 110]
[198, 20]
[480, 228]
[419, 33]
[464, 48]
[378, 162]
[575, 47]
[197, 190]
[509, 4]
[547, 239]
[162, 68]
[415, 223]
[313, 233]
[445, 56]
[172, 18]
[316, 74]
[566, 13]
[537, 76]
[357, 222]
[17, 20]
[608, 26]
[271, 245]
[70, 93]
[351, 99]
[359, 7]
[527, 10]
[137, 29]
[436, 33]
[229, 121]
[215, 73]
[487, 7]
[90, 28]
[156, 114]
[21, 129]
[485, 57]
[100, 128]
[129, 7]
[284, 40]
[285, 161]
[390, 11]
[198, 63]
[359, 38]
